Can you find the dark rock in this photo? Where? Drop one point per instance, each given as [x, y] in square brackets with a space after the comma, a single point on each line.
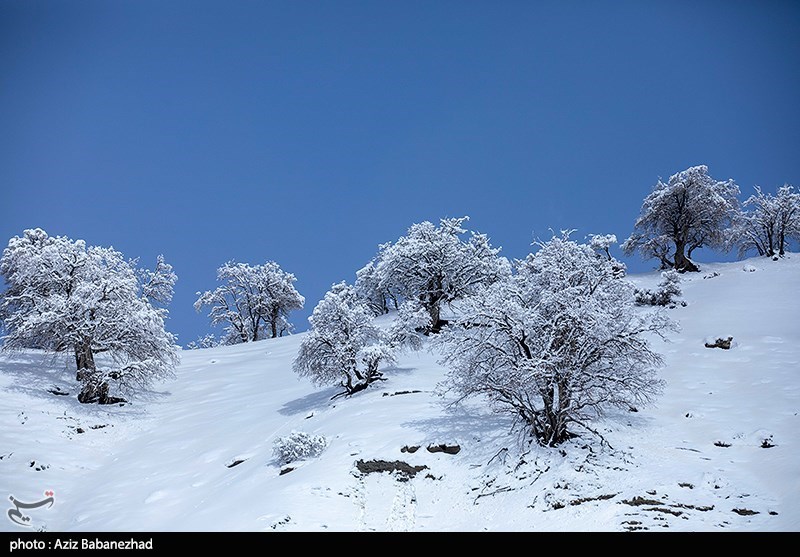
[724, 343]
[745, 512]
[639, 501]
[449, 449]
[401, 393]
[286, 470]
[409, 449]
[404, 469]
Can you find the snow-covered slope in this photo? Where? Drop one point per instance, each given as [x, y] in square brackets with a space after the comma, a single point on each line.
[719, 451]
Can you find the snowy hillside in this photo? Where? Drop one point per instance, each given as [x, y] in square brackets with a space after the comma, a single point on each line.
[720, 451]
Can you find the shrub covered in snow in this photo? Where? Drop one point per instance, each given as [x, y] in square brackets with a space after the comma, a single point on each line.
[207, 341]
[297, 446]
[668, 290]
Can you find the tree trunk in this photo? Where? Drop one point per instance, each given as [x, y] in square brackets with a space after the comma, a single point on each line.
[770, 243]
[274, 323]
[682, 263]
[84, 361]
[94, 390]
[95, 386]
[436, 321]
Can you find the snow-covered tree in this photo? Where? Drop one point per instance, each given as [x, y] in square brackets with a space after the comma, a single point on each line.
[556, 344]
[253, 302]
[369, 288]
[158, 285]
[788, 202]
[768, 221]
[435, 265]
[409, 325]
[63, 295]
[602, 243]
[343, 346]
[691, 210]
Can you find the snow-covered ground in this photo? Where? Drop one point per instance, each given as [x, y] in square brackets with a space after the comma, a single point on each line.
[720, 451]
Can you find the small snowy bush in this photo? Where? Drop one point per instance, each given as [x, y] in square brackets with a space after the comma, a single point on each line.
[207, 341]
[668, 289]
[297, 446]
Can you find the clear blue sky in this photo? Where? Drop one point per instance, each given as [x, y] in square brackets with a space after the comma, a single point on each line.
[308, 132]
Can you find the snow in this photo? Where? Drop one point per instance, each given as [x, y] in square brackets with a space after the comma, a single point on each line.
[724, 435]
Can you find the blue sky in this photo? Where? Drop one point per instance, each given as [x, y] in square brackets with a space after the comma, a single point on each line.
[308, 132]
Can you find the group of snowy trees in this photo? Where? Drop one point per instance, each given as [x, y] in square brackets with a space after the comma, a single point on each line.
[418, 275]
[556, 339]
[769, 222]
[693, 210]
[253, 302]
[64, 296]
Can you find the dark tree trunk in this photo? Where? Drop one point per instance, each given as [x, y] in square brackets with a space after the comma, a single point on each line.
[437, 323]
[84, 360]
[551, 428]
[770, 243]
[94, 390]
[95, 385]
[274, 323]
[682, 263]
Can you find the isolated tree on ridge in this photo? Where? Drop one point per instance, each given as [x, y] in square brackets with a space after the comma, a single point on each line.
[691, 210]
